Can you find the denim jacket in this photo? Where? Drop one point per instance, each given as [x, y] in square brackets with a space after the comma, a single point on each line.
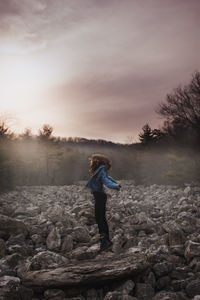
[99, 178]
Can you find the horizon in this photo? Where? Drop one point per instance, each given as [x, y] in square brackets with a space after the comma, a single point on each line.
[96, 70]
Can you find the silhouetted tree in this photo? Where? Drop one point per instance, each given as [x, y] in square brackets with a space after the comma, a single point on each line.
[146, 136]
[182, 109]
[46, 132]
[26, 135]
[50, 152]
[4, 130]
[6, 163]
[158, 135]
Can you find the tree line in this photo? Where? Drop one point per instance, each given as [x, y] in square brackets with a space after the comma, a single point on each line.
[168, 155]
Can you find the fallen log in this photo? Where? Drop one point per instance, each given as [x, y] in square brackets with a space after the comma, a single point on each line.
[84, 273]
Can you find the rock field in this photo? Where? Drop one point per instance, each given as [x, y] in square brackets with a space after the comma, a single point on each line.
[49, 244]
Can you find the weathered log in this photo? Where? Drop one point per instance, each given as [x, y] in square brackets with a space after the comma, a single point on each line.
[90, 272]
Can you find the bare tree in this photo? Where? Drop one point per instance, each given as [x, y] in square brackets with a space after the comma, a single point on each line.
[26, 135]
[46, 132]
[182, 106]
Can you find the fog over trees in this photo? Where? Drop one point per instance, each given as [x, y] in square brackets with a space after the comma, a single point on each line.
[165, 155]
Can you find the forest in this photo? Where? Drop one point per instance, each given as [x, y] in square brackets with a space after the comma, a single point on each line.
[167, 155]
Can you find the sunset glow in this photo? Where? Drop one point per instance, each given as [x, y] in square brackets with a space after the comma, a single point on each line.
[96, 69]
[20, 80]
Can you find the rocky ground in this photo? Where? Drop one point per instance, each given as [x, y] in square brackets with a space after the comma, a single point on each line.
[49, 244]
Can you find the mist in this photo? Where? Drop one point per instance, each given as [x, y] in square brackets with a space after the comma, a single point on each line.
[56, 161]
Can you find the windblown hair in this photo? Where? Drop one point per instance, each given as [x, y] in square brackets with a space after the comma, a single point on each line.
[96, 160]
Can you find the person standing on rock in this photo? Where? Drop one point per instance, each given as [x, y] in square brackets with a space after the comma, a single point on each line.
[99, 165]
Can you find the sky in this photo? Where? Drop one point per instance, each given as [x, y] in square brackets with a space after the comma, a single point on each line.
[94, 68]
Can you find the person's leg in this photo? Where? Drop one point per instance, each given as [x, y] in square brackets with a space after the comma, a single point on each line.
[100, 216]
[100, 212]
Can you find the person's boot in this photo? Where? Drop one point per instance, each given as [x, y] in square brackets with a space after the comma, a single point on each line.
[105, 242]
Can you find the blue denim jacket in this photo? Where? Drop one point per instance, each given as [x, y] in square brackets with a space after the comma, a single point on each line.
[99, 178]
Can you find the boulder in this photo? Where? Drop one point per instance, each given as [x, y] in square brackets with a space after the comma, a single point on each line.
[91, 294]
[164, 295]
[192, 250]
[54, 213]
[16, 239]
[144, 291]
[11, 289]
[187, 190]
[193, 288]
[53, 240]
[162, 269]
[67, 244]
[163, 283]
[126, 287]
[118, 242]
[46, 260]
[84, 253]
[54, 294]
[11, 260]
[12, 226]
[2, 248]
[38, 239]
[81, 234]
[176, 238]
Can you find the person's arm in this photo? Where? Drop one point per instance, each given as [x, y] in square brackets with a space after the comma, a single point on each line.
[112, 179]
[108, 182]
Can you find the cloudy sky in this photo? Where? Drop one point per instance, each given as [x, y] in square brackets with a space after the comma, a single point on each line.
[94, 68]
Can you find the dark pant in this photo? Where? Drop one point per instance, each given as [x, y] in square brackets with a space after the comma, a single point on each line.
[100, 212]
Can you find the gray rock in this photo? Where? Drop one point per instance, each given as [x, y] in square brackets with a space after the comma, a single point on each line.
[117, 296]
[162, 269]
[176, 238]
[179, 285]
[53, 240]
[81, 235]
[151, 279]
[164, 295]
[91, 294]
[187, 190]
[180, 272]
[84, 253]
[2, 248]
[20, 211]
[76, 298]
[47, 260]
[193, 288]
[7, 279]
[67, 244]
[118, 242]
[16, 239]
[11, 289]
[12, 226]
[55, 213]
[54, 294]
[126, 287]
[11, 260]
[144, 291]
[163, 283]
[192, 250]
[38, 239]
